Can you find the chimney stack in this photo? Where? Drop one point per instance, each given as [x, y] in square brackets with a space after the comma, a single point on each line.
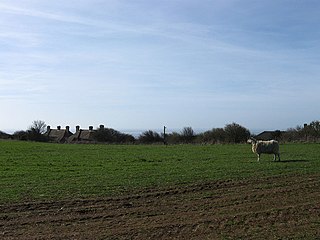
[101, 127]
[67, 128]
[59, 127]
[90, 128]
[77, 128]
[48, 129]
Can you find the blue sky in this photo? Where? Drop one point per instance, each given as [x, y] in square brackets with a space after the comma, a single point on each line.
[143, 64]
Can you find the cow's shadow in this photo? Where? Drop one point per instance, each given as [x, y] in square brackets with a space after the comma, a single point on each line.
[292, 161]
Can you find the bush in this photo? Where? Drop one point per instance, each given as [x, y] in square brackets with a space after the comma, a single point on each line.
[29, 135]
[150, 137]
[20, 135]
[307, 133]
[216, 135]
[34, 135]
[4, 135]
[173, 138]
[110, 135]
[235, 133]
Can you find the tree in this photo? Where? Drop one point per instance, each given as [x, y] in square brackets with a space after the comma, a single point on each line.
[36, 131]
[314, 128]
[293, 134]
[150, 137]
[38, 126]
[235, 133]
[216, 135]
[187, 135]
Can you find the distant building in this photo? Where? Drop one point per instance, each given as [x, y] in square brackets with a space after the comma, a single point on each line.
[83, 135]
[58, 135]
[268, 135]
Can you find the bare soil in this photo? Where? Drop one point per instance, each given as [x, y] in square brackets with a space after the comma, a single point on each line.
[279, 207]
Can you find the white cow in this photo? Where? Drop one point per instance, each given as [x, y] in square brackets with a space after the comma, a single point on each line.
[268, 147]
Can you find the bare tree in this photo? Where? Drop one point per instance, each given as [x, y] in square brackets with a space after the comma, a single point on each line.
[38, 127]
[36, 131]
[187, 135]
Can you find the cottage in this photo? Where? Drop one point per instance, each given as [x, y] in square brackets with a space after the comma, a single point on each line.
[83, 135]
[58, 135]
[269, 135]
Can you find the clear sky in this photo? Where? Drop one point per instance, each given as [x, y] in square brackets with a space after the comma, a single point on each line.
[142, 64]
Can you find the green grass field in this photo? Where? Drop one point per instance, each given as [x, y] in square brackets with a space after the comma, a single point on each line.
[42, 171]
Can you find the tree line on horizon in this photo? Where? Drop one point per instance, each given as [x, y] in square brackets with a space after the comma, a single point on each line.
[231, 133]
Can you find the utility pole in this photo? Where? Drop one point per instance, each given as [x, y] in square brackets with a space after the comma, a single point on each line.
[164, 135]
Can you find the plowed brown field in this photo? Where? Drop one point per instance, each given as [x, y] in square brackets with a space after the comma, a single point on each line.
[282, 207]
